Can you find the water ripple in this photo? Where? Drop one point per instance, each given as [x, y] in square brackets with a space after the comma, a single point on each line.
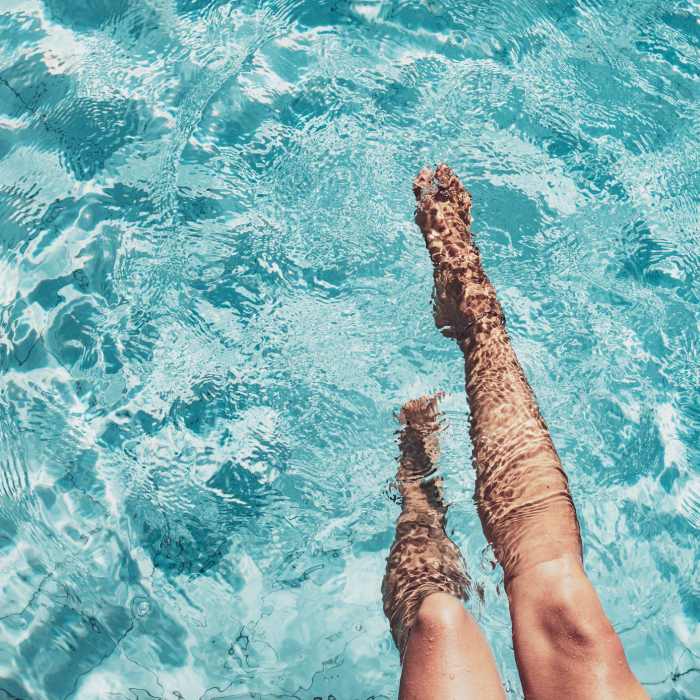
[212, 300]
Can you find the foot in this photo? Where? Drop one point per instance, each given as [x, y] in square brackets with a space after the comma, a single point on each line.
[419, 443]
[463, 293]
[421, 412]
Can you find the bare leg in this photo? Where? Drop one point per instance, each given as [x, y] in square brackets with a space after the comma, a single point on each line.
[564, 644]
[443, 652]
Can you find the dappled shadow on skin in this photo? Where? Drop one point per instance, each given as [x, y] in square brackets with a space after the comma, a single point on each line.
[422, 559]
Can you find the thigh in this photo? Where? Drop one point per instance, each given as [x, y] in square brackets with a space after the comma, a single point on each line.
[447, 656]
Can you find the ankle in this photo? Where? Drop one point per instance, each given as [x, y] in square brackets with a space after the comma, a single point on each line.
[486, 325]
[558, 602]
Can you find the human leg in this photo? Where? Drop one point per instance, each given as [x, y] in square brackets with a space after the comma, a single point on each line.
[447, 656]
[561, 635]
[443, 652]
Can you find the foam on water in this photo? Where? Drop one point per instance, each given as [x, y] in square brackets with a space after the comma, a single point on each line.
[214, 299]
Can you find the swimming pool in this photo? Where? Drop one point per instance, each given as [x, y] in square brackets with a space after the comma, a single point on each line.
[214, 299]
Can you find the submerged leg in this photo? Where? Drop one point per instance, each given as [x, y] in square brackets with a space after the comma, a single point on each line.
[443, 651]
[564, 644]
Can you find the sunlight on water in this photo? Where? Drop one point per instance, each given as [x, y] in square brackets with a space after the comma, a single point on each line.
[214, 300]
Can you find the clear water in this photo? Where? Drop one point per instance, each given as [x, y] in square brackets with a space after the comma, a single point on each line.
[214, 299]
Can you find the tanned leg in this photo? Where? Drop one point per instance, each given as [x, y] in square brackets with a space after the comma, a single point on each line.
[564, 645]
[444, 654]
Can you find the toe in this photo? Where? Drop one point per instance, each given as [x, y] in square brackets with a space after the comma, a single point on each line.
[444, 175]
[423, 183]
[450, 188]
[421, 410]
[446, 180]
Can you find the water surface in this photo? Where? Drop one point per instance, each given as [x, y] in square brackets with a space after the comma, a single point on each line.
[214, 299]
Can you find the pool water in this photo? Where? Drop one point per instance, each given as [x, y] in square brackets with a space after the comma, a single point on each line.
[214, 300]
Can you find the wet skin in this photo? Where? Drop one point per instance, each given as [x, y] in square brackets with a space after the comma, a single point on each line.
[442, 648]
[564, 644]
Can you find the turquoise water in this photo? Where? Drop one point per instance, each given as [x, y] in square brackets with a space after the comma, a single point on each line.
[214, 299]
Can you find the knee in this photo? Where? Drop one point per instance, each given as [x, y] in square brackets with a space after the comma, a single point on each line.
[562, 604]
[440, 613]
[572, 616]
